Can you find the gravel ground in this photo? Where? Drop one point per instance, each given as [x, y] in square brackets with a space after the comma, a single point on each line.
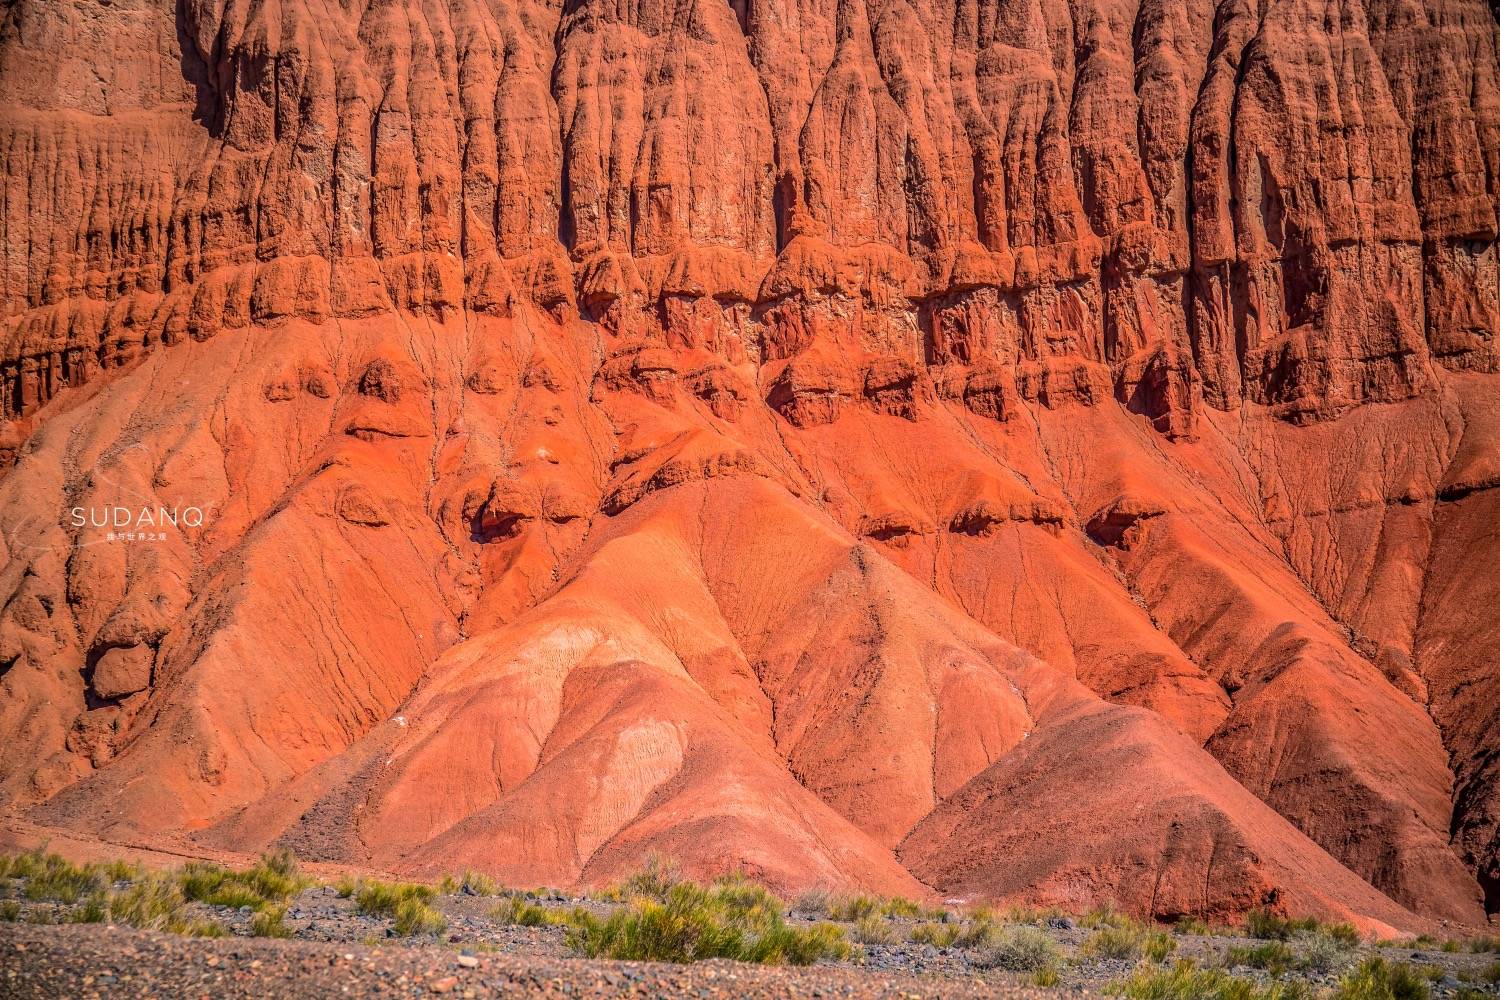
[104, 961]
[336, 950]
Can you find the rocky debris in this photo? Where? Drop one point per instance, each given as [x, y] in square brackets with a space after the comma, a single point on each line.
[117, 962]
[69, 959]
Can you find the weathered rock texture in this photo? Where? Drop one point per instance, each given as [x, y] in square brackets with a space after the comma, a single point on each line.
[1002, 448]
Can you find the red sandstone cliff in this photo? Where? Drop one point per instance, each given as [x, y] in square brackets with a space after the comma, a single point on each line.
[1007, 448]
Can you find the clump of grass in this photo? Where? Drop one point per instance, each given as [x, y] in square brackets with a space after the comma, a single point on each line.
[22, 865]
[270, 882]
[10, 911]
[1185, 981]
[1045, 977]
[1157, 945]
[1324, 952]
[156, 903]
[871, 929]
[95, 910]
[473, 883]
[119, 870]
[979, 931]
[413, 916]
[731, 919]
[275, 876]
[1112, 943]
[346, 886]
[270, 922]
[938, 935]
[1270, 926]
[849, 909]
[653, 881]
[1490, 973]
[380, 899]
[1377, 979]
[1107, 916]
[406, 903]
[1128, 939]
[1192, 925]
[1276, 957]
[901, 908]
[520, 911]
[1480, 945]
[53, 877]
[814, 903]
[1036, 915]
[1023, 948]
[1344, 933]
[40, 916]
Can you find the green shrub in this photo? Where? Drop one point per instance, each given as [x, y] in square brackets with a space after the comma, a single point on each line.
[871, 929]
[1324, 952]
[1480, 945]
[155, 903]
[900, 907]
[95, 910]
[1185, 981]
[10, 911]
[692, 922]
[1037, 916]
[520, 911]
[814, 903]
[1113, 943]
[412, 916]
[848, 909]
[271, 881]
[979, 931]
[1157, 945]
[1377, 979]
[478, 884]
[24, 865]
[1490, 973]
[653, 881]
[1045, 977]
[269, 922]
[1345, 934]
[1192, 925]
[406, 903]
[1023, 949]
[275, 877]
[346, 886]
[380, 899]
[40, 916]
[1272, 926]
[936, 934]
[1276, 957]
[1107, 916]
[59, 879]
[118, 871]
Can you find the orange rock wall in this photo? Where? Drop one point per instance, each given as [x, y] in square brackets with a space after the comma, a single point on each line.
[765, 416]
